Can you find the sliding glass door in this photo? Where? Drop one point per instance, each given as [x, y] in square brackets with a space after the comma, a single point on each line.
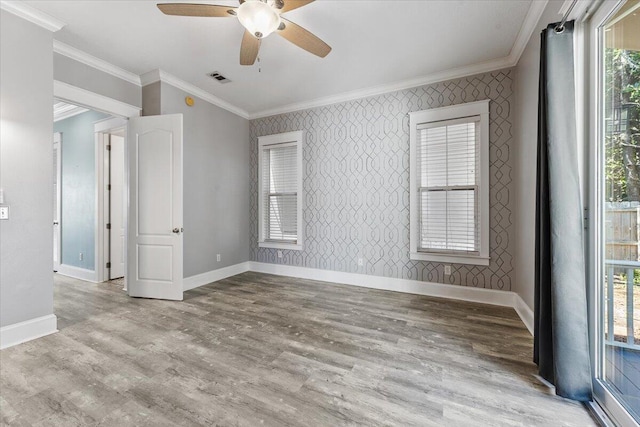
[616, 309]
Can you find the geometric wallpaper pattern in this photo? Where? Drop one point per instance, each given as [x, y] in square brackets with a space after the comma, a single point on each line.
[356, 183]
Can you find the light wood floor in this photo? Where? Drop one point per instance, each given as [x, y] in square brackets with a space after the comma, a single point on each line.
[258, 350]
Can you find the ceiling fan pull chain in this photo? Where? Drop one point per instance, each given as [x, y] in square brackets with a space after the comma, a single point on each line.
[259, 66]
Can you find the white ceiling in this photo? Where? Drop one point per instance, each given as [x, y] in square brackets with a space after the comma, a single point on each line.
[374, 43]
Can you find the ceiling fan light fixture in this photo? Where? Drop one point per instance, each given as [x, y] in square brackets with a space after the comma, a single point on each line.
[258, 17]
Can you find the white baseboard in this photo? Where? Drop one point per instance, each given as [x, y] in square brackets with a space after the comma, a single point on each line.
[523, 310]
[192, 282]
[464, 293]
[78, 273]
[28, 330]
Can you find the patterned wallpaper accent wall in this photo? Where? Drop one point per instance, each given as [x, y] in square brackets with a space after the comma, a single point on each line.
[356, 183]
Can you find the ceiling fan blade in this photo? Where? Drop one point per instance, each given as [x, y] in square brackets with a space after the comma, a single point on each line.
[303, 38]
[294, 4]
[249, 49]
[191, 9]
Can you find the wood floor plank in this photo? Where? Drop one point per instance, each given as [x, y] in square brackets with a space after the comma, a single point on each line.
[258, 349]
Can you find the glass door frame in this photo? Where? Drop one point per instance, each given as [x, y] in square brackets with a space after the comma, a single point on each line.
[593, 41]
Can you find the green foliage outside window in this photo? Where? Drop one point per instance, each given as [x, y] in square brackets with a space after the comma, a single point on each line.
[622, 132]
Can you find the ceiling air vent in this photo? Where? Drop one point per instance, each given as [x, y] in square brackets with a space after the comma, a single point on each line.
[219, 77]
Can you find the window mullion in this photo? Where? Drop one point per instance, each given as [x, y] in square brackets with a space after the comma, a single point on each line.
[446, 195]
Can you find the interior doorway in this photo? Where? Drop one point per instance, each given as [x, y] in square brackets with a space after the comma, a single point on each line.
[111, 240]
[90, 199]
[153, 237]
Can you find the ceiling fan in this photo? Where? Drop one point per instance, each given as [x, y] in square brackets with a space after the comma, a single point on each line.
[259, 18]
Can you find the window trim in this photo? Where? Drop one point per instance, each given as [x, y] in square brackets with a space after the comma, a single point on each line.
[420, 118]
[264, 142]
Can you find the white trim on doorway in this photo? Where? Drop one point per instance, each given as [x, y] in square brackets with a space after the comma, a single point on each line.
[97, 102]
[102, 130]
[122, 111]
[57, 220]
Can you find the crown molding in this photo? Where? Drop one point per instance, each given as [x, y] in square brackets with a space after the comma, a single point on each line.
[32, 15]
[527, 29]
[97, 63]
[162, 76]
[536, 9]
[151, 77]
[438, 77]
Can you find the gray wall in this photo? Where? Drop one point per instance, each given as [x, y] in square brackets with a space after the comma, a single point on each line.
[26, 170]
[75, 73]
[356, 183]
[216, 180]
[78, 188]
[151, 102]
[525, 153]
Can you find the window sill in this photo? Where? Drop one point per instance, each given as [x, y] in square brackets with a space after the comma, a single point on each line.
[451, 258]
[278, 245]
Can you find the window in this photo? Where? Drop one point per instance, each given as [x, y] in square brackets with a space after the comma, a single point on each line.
[614, 196]
[449, 184]
[280, 190]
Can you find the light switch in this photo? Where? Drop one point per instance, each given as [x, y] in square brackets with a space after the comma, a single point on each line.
[4, 212]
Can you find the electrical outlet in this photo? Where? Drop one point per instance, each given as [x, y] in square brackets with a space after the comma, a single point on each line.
[360, 262]
[218, 258]
[279, 254]
[81, 256]
[4, 212]
[447, 270]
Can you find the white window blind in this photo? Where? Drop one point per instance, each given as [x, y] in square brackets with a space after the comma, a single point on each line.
[280, 196]
[448, 176]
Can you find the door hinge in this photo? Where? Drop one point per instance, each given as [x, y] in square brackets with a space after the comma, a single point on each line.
[108, 187]
[108, 147]
[108, 265]
[108, 226]
[586, 218]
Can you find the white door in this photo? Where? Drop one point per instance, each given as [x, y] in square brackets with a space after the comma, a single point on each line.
[57, 197]
[117, 207]
[154, 267]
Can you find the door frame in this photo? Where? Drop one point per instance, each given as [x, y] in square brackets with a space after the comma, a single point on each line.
[602, 396]
[57, 139]
[119, 110]
[103, 129]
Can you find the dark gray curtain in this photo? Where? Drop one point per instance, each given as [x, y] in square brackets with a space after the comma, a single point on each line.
[561, 341]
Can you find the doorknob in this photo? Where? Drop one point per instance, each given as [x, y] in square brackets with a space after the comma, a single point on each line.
[176, 230]
[55, 223]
